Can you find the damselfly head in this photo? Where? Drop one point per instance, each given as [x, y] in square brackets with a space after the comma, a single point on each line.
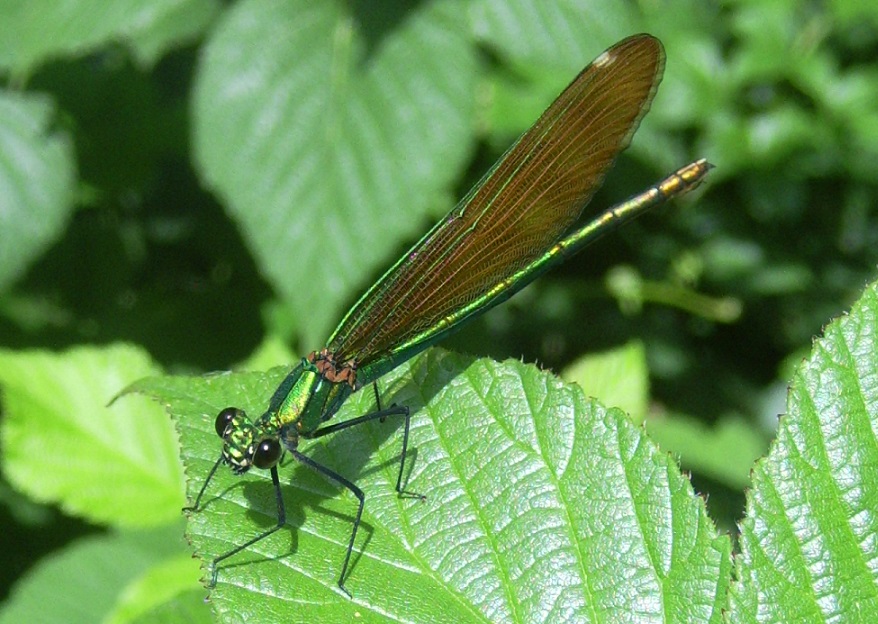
[237, 432]
[244, 445]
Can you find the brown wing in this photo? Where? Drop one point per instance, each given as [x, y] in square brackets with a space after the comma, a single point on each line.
[528, 200]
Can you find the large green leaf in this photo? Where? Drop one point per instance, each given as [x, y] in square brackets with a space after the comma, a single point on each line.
[541, 506]
[33, 32]
[330, 132]
[549, 42]
[80, 583]
[63, 444]
[564, 34]
[808, 544]
[167, 593]
[37, 172]
[618, 377]
[725, 451]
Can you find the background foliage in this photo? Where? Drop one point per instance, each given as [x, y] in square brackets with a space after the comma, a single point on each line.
[216, 183]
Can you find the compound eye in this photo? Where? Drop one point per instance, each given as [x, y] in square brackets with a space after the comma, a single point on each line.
[267, 453]
[225, 417]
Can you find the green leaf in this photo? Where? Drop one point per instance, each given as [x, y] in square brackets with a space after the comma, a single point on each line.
[529, 32]
[81, 582]
[168, 592]
[63, 444]
[527, 35]
[187, 608]
[37, 172]
[541, 506]
[808, 541]
[547, 43]
[331, 134]
[272, 351]
[179, 22]
[616, 377]
[725, 452]
[32, 33]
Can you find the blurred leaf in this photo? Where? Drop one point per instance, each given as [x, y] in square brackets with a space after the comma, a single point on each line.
[25, 511]
[728, 258]
[690, 92]
[182, 22]
[32, 33]
[618, 377]
[168, 592]
[345, 133]
[541, 506]
[271, 352]
[855, 13]
[808, 541]
[547, 45]
[80, 583]
[37, 174]
[62, 444]
[725, 451]
[777, 40]
[565, 34]
[780, 278]
[187, 608]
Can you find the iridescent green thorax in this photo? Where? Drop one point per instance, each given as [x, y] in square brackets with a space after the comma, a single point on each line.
[311, 394]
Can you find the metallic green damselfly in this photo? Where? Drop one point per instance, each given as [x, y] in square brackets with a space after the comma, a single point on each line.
[515, 224]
